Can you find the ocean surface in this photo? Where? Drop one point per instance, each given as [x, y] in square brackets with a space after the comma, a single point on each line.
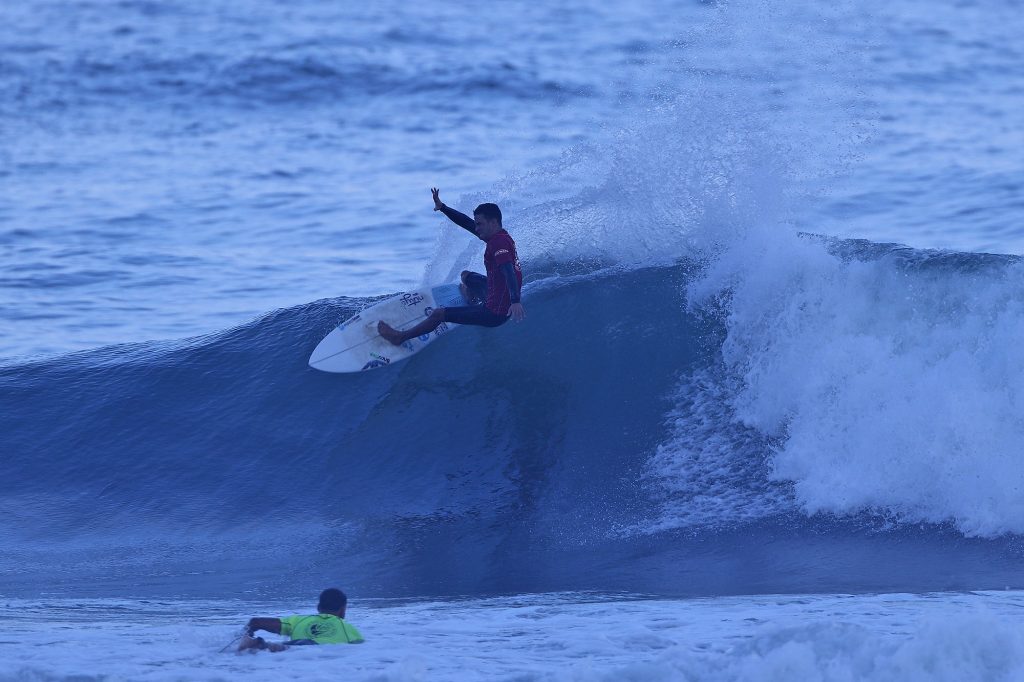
[764, 419]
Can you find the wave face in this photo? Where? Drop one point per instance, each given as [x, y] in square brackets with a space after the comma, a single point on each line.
[794, 414]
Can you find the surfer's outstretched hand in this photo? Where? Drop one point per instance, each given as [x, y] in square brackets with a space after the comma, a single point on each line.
[437, 199]
[517, 312]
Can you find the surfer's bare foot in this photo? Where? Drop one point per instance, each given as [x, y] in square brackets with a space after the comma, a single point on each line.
[389, 334]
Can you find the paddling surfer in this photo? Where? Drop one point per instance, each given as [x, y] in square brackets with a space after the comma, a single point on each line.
[327, 626]
[494, 297]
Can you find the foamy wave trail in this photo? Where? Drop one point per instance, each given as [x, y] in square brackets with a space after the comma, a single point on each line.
[890, 379]
[948, 648]
[782, 417]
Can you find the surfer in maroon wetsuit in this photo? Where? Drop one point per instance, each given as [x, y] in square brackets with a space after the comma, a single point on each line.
[496, 295]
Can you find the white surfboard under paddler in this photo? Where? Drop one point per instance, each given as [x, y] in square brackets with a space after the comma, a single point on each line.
[355, 345]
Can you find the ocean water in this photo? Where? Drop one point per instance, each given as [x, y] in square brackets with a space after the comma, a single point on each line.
[763, 420]
[550, 637]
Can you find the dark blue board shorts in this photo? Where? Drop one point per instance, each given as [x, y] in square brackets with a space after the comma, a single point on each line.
[474, 314]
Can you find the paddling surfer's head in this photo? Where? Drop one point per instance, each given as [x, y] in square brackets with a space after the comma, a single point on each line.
[334, 601]
[488, 220]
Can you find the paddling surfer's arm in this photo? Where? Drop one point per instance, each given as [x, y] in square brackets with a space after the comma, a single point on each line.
[268, 624]
[460, 219]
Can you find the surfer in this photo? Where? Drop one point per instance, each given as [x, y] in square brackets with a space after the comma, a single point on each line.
[494, 298]
[327, 626]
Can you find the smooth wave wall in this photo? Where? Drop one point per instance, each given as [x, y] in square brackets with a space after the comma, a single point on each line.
[490, 444]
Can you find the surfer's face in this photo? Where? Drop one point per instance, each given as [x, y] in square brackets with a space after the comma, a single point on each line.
[486, 227]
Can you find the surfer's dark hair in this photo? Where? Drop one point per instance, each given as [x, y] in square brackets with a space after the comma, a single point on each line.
[490, 211]
[332, 600]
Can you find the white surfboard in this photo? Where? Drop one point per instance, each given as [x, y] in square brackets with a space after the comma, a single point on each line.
[355, 346]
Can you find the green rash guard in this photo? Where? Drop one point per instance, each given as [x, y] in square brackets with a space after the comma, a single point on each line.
[323, 628]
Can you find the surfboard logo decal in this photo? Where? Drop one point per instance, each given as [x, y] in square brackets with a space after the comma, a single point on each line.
[409, 300]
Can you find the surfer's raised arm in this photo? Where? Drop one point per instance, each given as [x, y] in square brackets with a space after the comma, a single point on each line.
[460, 219]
